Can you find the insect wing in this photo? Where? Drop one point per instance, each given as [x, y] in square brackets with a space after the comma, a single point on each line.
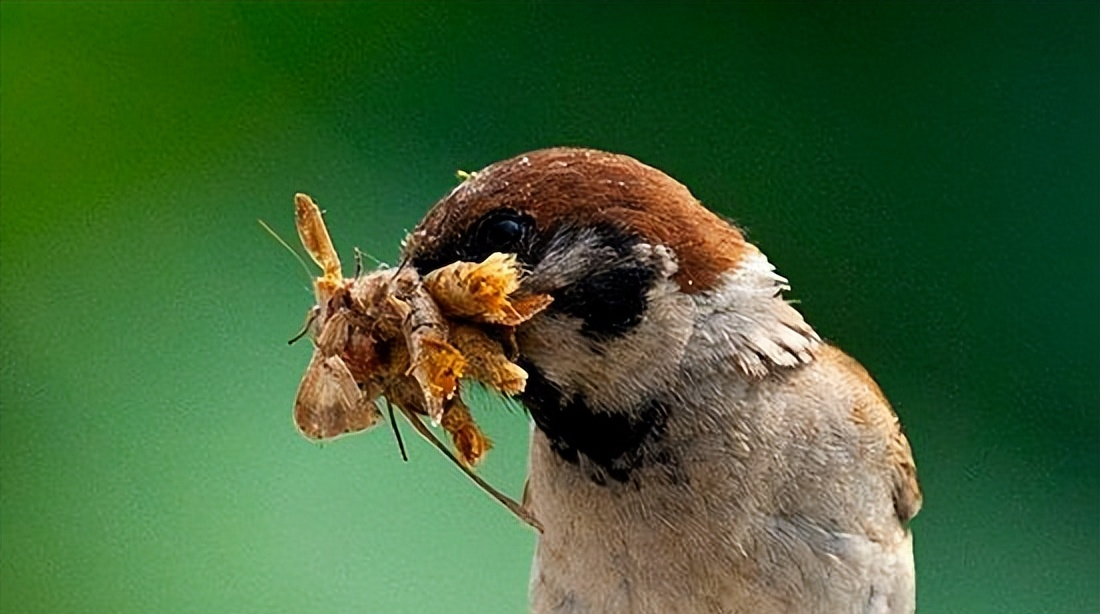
[329, 403]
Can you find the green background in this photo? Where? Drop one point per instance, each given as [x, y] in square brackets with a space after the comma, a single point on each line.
[926, 176]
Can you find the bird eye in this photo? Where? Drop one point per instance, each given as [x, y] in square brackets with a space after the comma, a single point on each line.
[504, 232]
[500, 231]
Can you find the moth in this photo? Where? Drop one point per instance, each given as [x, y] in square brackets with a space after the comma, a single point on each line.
[390, 335]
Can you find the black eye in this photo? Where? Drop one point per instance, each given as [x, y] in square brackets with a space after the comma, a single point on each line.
[502, 230]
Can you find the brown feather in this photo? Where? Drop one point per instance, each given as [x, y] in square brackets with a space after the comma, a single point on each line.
[588, 187]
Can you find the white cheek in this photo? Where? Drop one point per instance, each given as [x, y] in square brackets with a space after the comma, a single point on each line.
[619, 372]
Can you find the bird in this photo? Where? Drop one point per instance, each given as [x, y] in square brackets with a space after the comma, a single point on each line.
[696, 446]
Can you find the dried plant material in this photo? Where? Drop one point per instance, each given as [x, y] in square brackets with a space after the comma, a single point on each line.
[390, 334]
[470, 443]
[482, 291]
[435, 363]
[529, 306]
[486, 361]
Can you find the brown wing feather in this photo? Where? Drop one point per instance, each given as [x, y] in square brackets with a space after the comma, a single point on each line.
[872, 412]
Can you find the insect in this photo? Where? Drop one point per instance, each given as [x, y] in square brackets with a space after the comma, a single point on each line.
[390, 335]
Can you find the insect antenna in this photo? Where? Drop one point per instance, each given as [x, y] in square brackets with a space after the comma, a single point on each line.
[313, 313]
[400, 268]
[397, 432]
[359, 255]
[290, 249]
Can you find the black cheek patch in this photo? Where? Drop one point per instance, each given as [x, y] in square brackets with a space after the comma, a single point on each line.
[610, 303]
[612, 298]
[618, 443]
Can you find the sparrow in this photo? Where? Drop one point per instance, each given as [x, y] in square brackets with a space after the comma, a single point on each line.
[696, 446]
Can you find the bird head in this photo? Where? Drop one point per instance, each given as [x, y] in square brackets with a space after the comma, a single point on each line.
[652, 293]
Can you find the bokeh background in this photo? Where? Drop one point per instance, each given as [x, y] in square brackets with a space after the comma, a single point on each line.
[926, 175]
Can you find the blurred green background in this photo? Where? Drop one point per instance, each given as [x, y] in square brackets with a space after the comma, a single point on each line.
[926, 175]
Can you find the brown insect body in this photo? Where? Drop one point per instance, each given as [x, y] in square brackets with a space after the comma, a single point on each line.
[391, 334]
[329, 402]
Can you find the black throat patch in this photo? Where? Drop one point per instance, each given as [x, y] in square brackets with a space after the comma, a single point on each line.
[616, 443]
